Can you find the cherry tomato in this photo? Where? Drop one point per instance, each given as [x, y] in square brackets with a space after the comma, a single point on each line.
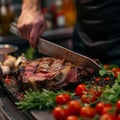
[107, 78]
[116, 72]
[107, 117]
[114, 69]
[63, 98]
[106, 66]
[106, 108]
[66, 111]
[8, 81]
[99, 107]
[96, 90]
[117, 117]
[108, 105]
[74, 107]
[118, 105]
[88, 98]
[80, 89]
[88, 112]
[59, 113]
[72, 117]
[97, 79]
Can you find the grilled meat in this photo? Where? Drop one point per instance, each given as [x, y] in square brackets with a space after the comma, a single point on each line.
[46, 72]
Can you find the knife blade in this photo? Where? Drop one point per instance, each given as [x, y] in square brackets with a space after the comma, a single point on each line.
[51, 49]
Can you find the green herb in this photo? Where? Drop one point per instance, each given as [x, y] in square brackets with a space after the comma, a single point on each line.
[39, 100]
[112, 94]
[113, 66]
[30, 53]
[102, 72]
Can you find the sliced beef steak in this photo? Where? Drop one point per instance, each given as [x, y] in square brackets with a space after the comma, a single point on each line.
[47, 72]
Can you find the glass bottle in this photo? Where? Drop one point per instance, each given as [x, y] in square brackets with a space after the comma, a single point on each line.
[59, 15]
[48, 17]
[11, 11]
[7, 15]
[69, 10]
[1, 27]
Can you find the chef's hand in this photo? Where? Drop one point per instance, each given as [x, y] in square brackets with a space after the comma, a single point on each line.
[31, 24]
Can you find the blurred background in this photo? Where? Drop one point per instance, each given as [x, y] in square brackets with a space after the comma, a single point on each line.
[60, 15]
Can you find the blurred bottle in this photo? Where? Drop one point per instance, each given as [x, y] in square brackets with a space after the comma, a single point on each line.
[1, 27]
[59, 15]
[7, 15]
[48, 17]
[11, 11]
[53, 13]
[70, 13]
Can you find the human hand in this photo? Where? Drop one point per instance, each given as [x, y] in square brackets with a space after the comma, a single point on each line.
[31, 24]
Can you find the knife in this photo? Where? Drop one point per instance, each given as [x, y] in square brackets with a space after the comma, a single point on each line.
[51, 49]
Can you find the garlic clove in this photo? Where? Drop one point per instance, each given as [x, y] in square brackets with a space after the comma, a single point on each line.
[20, 59]
[5, 70]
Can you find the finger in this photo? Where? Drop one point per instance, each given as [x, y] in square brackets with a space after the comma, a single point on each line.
[22, 31]
[33, 41]
[42, 29]
[19, 30]
[34, 35]
[28, 31]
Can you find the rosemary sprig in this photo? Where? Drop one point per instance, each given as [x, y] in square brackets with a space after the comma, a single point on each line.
[40, 100]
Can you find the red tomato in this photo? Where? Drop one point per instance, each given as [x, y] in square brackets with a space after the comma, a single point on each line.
[117, 117]
[116, 72]
[108, 105]
[59, 113]
[88, 112]
[7, 81]
[106, 108]
[107, 78]
[63, 99]
[96, 90]
[106, 66]
[97, 79]
[80, 89]
[118, 105]
[66, 111]
[99, 107]
[107, 117]
[88, 98]
[74, 107]
[72, 117]
[114, 69]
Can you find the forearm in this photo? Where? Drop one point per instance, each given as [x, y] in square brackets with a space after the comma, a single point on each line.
[31, 4]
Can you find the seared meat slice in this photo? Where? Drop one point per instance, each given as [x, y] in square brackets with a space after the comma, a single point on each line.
[47, 72]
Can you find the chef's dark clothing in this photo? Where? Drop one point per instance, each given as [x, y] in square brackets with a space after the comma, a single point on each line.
[97, 30]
